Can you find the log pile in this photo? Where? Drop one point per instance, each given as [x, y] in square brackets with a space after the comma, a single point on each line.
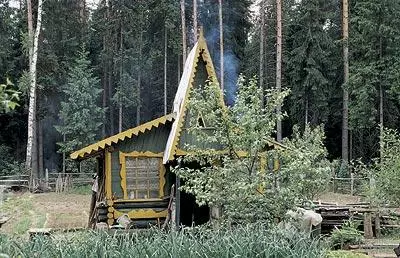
[371, 220]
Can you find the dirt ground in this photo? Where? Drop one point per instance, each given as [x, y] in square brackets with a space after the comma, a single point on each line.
[46, 210]
[339, 199]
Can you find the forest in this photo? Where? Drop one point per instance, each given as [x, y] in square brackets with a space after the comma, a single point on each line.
[118, 63]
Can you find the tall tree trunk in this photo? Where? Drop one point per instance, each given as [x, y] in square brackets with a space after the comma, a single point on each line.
[262, 38]
[40, 149]
[113, 47]
[31, 148]
[380, 96]
[110, 94]
[183, 20]
[306, 111]
[179, 69]
[82, 10]
[105, 71]
[279, 65]
[345, 123]
[139, 79]
[165, 68]
[221, 45]
[195, 21]
[120, 109]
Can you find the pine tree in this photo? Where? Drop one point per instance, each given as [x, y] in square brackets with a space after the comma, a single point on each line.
[374, 66]
[80, 112]
[310, 72]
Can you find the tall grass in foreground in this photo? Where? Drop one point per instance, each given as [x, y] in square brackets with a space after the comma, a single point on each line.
[244, 241]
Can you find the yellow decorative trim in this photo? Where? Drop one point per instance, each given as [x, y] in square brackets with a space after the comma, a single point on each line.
[108, 175]
[138, 200]
[122, 174]
[180, 152]
[121, 136]
[137, 154]
[161, 168]
[263, 165]
[185, 101]
[277, 164]
[142, 214]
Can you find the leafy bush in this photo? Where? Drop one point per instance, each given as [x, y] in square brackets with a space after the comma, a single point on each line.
[247, 241]
[246, 180]
[347, 235]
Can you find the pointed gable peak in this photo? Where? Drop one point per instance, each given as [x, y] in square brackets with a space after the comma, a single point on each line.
[199, 55]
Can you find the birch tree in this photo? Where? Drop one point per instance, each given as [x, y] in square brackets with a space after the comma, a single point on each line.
[33, 37]
[195, 26]
[183, 27]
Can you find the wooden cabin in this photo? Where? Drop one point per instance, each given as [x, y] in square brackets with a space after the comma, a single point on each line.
[134, 166]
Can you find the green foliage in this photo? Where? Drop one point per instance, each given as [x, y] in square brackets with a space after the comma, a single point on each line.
[388, 168]
[247, 241]
[306, 160]
[311, 53]
[384, 172]
[80, 113]
[8, 97]
[346, 235]
[345, 254]
[242, 179]
[374, 66]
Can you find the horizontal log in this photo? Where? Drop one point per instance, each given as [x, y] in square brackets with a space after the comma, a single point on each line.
[140, 205]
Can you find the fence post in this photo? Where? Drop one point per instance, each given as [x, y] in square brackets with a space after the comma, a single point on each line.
[47, 177]
[351, 183]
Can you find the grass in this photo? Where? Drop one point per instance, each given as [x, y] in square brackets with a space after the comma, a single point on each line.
[245, 241]
[81, 189]
[345, 254]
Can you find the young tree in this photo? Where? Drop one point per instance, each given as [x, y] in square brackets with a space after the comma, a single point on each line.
[80, 113]
[243, 179]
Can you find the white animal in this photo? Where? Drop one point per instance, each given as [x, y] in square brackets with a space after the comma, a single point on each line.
[304, 219]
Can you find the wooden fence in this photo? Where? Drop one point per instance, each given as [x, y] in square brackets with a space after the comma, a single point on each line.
[349, 185]
[58, 182]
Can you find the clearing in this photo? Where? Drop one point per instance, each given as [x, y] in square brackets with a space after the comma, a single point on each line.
[46, 210]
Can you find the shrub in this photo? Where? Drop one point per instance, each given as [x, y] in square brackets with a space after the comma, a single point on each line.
[347, 235]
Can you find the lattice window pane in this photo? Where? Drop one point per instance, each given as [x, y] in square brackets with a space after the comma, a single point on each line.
[142, 177]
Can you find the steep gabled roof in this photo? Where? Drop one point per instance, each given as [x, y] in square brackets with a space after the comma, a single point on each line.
[82, 153]
[182, 95]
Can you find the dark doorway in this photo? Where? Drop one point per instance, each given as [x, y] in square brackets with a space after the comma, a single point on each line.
[191, 213]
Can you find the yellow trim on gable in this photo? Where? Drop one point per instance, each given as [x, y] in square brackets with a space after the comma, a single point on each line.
[121, 136]
[205, 54]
